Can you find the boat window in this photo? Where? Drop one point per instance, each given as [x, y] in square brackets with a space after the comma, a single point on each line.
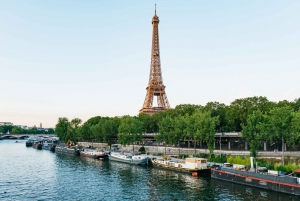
[248, 180]
[262, 183]
[292, 188]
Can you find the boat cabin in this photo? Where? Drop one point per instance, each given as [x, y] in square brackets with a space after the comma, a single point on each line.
[198, 163]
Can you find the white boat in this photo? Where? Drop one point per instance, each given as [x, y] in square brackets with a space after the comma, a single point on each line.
[194, 166]
[130, 158]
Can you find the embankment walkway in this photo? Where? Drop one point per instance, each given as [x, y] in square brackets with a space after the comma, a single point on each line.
[190, 151]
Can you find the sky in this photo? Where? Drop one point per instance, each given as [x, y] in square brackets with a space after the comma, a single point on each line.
[80, 59]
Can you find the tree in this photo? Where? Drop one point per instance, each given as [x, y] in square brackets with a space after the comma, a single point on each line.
[179, 125]
[157, 118]
[16, 130]
[73, 129]
[165, 130]
[50, 130]
[191, 129]
[97, 131]
[278, 126]
[218, 110]
[295, 126]
[110, 129]
[184, 109]
[253, 131]
[85, 130]
[2, 130]
[238, 111]
[148, 122]
[297, 104]
[61, 128]
[205, 127]
[130, 130]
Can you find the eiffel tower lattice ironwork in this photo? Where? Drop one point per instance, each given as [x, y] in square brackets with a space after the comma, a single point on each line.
[155, 86]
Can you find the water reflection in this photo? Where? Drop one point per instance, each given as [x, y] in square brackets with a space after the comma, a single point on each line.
[241, 192]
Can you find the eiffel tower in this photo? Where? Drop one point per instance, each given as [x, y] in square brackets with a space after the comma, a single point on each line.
[155, 86]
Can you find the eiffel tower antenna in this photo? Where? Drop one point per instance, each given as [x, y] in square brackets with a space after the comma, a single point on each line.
[155, 85]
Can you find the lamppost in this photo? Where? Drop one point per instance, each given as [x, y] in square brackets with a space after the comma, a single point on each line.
[220, 141]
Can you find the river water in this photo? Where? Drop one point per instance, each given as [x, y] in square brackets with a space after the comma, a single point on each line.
[30, 174]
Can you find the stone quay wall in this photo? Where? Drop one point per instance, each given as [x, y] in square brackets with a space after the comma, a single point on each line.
[189, 151]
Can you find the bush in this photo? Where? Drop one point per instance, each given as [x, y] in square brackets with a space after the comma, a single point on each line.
[142, 150]
[158, 154]
[219, 159]
[239, 160]
[183, 156]
[201, 155]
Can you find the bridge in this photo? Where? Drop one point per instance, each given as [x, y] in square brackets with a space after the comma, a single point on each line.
[23, 136]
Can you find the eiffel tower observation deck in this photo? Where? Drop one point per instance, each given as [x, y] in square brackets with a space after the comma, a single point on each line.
[155, 86]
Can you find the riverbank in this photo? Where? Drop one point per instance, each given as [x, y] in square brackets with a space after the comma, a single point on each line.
[190, 151]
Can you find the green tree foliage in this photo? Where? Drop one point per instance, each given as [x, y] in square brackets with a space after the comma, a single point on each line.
[166, 130]
[206, 128]
[7, 128]
[73, 129]
[295, 127]
[61, 129]
[253, 131]
[183, 109]
[157, 117]
[218, 110]
[238, 111]
[297, 104]
[285, 103]
[85, 130]
[148, 122]
[2, 130]
[278, 126]
[50, 131]
[16, 130]
[130, 130]
[110, 129]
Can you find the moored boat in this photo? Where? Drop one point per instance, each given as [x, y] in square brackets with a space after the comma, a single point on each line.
[37, 145]
[68, 150]
[130, 158]
[193, 166]
[52, 147]
[270, 180]
[46, 146]
[94, 153]
[28, 143]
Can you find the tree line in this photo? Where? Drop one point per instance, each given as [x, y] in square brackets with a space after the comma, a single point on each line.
[256, 118]
[17, 130]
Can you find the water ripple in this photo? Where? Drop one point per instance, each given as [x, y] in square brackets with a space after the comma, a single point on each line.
[30, 174]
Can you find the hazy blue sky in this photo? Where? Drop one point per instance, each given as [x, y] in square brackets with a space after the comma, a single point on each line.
[90, 57]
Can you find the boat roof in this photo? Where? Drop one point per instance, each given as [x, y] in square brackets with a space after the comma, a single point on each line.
[197, 158]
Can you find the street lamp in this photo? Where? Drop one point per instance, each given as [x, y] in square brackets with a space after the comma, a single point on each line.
[220, 141]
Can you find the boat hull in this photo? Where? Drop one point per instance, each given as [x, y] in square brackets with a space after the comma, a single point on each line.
[95, 156]
[28, 144]
[145, 161]
[273, 183]
[52, 147]
[37, 146]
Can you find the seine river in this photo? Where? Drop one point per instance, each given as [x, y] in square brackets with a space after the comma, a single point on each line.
[30, 174]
